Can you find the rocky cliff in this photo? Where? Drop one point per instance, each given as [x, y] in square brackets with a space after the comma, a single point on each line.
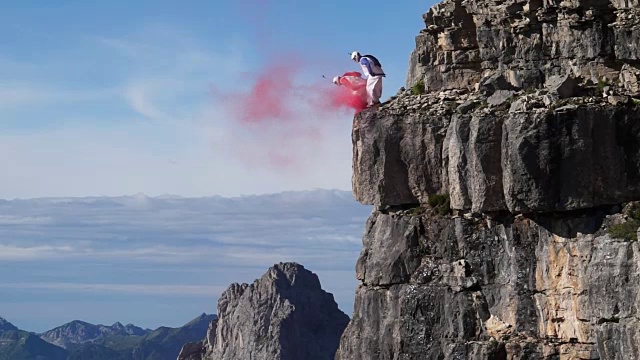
[503, 181]
[528, 41]
[284, 315]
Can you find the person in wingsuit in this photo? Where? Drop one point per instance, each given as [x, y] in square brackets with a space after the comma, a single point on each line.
[372, 68]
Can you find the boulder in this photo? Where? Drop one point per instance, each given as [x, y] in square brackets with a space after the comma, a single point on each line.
[562, 86]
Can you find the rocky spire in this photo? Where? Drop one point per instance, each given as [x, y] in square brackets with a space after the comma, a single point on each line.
[284, 315]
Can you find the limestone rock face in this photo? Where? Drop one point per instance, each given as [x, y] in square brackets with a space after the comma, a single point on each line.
[527, 41]
[505, 188]
[284, 315]
[561, 159]
[517, 288]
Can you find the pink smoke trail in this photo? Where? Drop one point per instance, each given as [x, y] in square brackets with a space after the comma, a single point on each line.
[278, 118]
[275, 97]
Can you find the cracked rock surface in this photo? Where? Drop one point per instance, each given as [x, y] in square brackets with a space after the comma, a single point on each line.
[553, 287]
[521, 156]
[527, 42]
[504, 180]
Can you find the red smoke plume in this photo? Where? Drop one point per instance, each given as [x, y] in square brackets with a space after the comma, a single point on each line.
[342, 97]
[278, 120]
[274, 96]
[279, 117]
[274, 88]
[267, 99]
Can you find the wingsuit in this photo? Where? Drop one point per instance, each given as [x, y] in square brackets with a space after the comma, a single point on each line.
[357, 85]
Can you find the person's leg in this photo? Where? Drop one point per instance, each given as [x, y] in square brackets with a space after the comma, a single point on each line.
[370, 89]
[377, 90]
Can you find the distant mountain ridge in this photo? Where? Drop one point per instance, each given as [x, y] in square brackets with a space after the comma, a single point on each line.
[16, 344]
[79, 332]
[79, 340]
[6, 326]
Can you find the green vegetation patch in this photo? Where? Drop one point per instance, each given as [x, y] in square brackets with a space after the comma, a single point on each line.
[440, 203]
[601, 85]
[629, 229]
[418, 88]
[419, 210]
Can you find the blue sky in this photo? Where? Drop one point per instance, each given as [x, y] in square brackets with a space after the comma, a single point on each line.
[111, 98]
[108, 98]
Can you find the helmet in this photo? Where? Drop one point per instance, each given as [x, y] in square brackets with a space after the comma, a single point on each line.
[336, 80]
[355, 56]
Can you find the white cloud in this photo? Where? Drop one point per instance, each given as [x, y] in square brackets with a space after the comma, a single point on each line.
[24, 220]
[146, 289]
[167, 68]
[175, 256]
[153, 254]
[19, 94]
[17, 253]
[309, 227]
[139, 96]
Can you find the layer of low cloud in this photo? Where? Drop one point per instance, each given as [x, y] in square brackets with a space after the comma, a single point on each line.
[145, 289]
[156, 248]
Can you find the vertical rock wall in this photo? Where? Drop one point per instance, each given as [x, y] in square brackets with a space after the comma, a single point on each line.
[501, 227]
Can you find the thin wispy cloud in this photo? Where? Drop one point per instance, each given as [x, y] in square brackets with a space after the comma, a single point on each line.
[168, 68]
[28, 254]
[25, 220]
[145, 289]
[20, 94]
[140, 98]
[14, 95]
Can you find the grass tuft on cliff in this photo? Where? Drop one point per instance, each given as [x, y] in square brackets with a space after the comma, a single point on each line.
[440, 203]
[418, 88]
[416, 211]
[629, 229]
[601, 85]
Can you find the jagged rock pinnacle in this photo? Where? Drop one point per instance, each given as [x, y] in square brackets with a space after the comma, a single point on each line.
[284, 315]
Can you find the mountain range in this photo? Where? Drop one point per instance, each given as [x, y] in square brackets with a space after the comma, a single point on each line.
[79, 340]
